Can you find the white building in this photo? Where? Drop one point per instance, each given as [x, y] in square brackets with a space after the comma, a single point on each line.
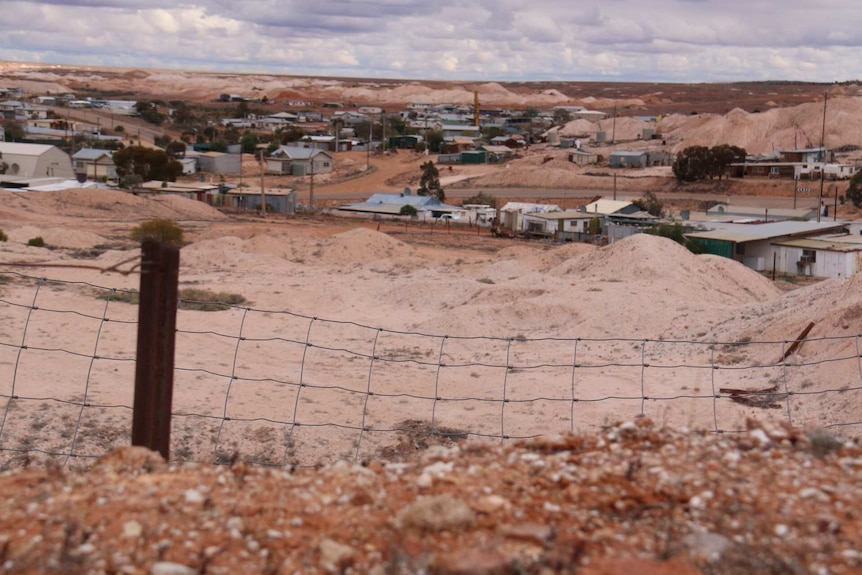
[35, 160]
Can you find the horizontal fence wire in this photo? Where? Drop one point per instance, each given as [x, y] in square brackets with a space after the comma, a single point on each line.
[279, 388]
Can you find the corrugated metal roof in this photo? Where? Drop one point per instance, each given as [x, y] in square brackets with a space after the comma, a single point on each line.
[628, 154]
[605, 207]
[830, 245]
[740, 233]
[758, 211]
[92, 154]
[567, 215]
[20, 149]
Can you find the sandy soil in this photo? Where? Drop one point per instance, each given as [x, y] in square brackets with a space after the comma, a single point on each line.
[381, 339]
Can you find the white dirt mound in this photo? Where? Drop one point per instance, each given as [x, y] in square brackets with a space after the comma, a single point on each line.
[56, 237]
[668, 267]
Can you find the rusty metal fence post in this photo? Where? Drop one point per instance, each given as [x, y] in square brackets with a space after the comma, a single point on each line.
[154, 368]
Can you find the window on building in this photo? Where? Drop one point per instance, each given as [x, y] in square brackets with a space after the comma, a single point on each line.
[740, 249]
[809, 255]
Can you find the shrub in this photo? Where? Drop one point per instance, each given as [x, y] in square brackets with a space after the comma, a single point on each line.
[3, 236]
[205, 300]
[408, 210]
[162, 230]
[36, 242]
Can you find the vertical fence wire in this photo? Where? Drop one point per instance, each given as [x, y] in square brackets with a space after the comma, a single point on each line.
[12, 397]
[437, 397]
[368, 394]
[574, 394]
[85, 400]
[294, 422]
[715, 396]
[233, 378]
[504, 399]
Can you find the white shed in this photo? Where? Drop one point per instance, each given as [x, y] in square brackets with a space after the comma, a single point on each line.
[36, 160]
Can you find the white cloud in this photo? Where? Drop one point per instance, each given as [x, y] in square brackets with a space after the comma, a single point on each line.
[671, 40]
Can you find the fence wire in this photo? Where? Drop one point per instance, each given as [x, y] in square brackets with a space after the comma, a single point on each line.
[280, 388]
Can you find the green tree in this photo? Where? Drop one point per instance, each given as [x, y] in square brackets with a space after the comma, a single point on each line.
[650, 203]
[854, 190]
[408, 210]
[249, 142]
[287, 135]
[481, 199]
[562, 116]
[692, 164]
[433, 140]
[699, 162]
[675, 233]
[149, 112]
[492, 132]
[14, 131]
[429, 182]
[242, 109]
[722, 157]
[146, 163]
[176, 149]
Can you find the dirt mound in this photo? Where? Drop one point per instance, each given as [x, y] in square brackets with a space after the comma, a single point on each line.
[776, 129]
[55, 237]
[360, 245]
[666, 266]
[98, 203]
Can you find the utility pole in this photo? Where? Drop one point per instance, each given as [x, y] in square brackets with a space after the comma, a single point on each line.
[822, 158]
[368, 146]
[262, 189]
[311, 186]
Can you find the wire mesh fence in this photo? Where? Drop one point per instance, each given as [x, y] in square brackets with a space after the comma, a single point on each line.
[280, 388]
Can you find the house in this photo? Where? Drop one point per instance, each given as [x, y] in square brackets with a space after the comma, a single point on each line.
[628, 159]
[278, 201]
[426, 207]
[753, 244]
[407, 142]
[603, 207]
[219, 163]
[583, 157]
[496, 153]
[299, 161]
[512, 215]
[35, 160]
[746, 214]
[199, 191]
[831, 256]
[570, 225]
[467, 131]
[92, 164]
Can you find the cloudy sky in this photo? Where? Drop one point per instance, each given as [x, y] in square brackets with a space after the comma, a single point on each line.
[505, 40]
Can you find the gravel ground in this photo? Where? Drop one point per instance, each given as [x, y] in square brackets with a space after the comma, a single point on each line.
[633, 498]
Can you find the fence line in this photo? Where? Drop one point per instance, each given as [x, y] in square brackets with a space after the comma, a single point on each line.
[280, 388]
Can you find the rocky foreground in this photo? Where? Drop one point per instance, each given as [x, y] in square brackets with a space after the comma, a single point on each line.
[634, 498]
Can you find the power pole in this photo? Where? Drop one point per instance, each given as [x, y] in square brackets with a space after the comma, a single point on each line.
[311, 186]
[822, 158]
[262, 189]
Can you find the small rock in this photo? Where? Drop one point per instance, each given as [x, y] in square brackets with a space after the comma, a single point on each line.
[473, 562]
[708, 546]
[531, 532]
[132, 529]
[435, 513]
[169, 568]
[335, 556]
[489, 504]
